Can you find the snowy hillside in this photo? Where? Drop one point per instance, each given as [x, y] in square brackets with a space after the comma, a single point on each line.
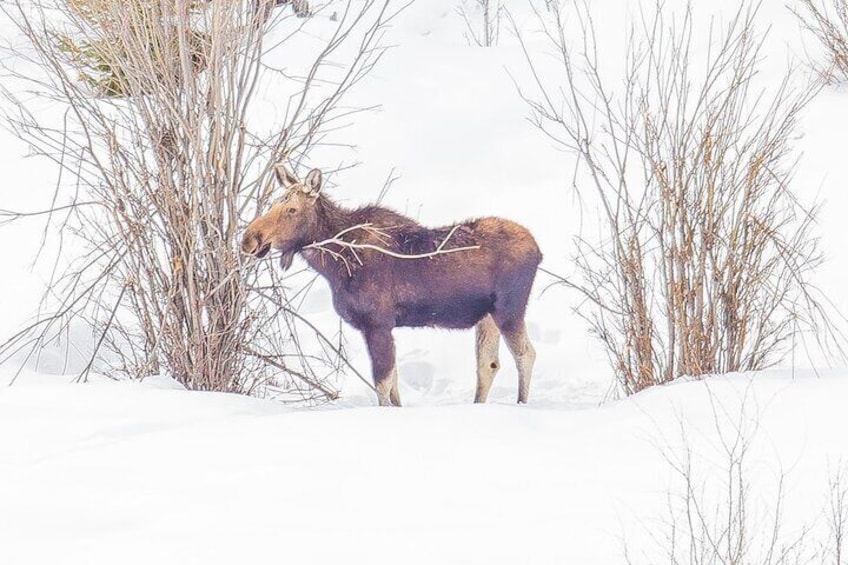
[120, 472]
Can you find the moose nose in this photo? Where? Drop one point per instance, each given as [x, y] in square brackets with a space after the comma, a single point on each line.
[250, 243]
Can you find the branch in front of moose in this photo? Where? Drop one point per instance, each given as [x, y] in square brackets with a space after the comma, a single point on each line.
[381, 235]
[705, 256]
[161, 158]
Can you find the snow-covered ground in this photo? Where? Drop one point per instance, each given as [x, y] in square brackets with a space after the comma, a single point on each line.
[140, 473]
[146, 473]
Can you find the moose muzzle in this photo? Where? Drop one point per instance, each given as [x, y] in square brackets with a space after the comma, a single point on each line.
[252, 244]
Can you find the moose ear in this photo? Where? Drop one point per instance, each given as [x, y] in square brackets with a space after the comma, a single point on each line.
[284, 176]
[313, 182]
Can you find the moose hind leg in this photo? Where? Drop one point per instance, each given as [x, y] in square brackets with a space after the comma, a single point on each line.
[394, 393]
[525, 356]
[381, 349]
[488, 343]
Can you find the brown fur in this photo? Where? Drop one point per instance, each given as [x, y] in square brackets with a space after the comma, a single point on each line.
[375, 292]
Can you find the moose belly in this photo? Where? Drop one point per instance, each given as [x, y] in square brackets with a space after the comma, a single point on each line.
[455, 312]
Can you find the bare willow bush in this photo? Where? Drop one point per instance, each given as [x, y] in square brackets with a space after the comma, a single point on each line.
[827, 22]
[704, 257]
[718, 521]
[718, 512]
[148, 110]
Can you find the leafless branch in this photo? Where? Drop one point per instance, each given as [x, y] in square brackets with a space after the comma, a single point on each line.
[491, 12]
[338, 241]
[827, 22]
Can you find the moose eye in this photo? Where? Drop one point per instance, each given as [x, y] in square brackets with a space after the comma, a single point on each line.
[291, 211]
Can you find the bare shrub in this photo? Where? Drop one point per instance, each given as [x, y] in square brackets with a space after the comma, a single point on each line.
[718, 514]
[724, 531]
[827, 22]
[162, 160]
[704, 257]
[727, 529]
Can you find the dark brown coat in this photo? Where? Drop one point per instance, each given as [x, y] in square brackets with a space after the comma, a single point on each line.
[376, 286]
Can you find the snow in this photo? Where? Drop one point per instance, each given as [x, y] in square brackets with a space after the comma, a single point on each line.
[135, 473]
[145, 472]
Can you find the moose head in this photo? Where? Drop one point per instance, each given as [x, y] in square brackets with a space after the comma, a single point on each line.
[290, 223]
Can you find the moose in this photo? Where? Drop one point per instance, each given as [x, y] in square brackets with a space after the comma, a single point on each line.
[385, 271]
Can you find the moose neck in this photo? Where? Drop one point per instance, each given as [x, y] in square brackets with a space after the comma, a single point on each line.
[331, 219]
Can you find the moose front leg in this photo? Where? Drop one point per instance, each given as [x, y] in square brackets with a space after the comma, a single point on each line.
[381, 349]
